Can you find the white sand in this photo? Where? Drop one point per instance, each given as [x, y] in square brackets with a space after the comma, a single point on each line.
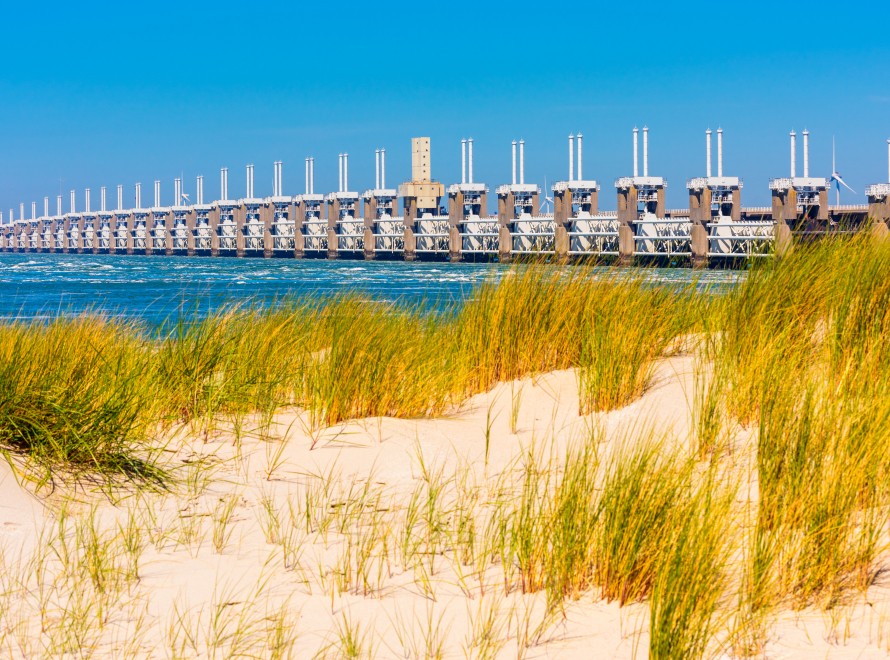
[408, 609]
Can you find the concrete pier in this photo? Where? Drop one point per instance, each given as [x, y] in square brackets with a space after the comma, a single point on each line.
[713, 201]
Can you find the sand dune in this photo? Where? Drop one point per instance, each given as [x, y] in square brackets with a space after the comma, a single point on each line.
[200, 591]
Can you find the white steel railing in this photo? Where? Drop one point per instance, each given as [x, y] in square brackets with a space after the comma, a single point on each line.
[479, 235]
[203, 235]
[315, 234]
[121, 234]
[594, 235]
[740, 239]
[227, 232]
[663, 236]
[351, 235]
[389, 234]
[433, 234]
[533, 234]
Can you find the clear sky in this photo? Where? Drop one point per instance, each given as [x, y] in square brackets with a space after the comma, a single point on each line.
[106, 93]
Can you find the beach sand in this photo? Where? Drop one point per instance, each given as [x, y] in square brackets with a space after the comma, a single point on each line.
[369, 469]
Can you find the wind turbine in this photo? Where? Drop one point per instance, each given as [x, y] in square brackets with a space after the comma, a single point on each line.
[836, 177]
[547, 199]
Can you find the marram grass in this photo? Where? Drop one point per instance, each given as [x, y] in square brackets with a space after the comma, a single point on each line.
[797, 355]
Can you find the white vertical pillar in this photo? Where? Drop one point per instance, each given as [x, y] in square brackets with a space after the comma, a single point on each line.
[199, 190]
[522, 161]
[793, 154]
[312, 176]
[120, 197]
[21, 210]
[33, 210]
[806, 153]
[345, 172]
[224, 183]
[645, 151]
[377, 169]
[249, 190]
[636, 152]
[340, 184]
[307, 175]
[86, 196]
[463, 161]
[177, 183]
[138, 195]
[514, 162]
[580, 160]
[157, 193]
[46, 207]
[58, 206]
[383, 168]
[571, 157]
[720, 152]
[708, 151]
[102, 198]
[73, 204]
[888, 161]
[470, 157]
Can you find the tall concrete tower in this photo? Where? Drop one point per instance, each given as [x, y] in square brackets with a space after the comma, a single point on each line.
[421, 195]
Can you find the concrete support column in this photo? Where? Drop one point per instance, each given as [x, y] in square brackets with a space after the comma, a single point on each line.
[506, 211]
[455, 219]
[879, 209]
[240, 216]
[410, 218]
[700, 205]
[700, 215]
[660, 204]
[267, 213]
[736, 214]
[79, 225]
[168, 233]
[823, 206]
[700, 245]
[369, 215]
[628, 214]
[333, 219]
[191, 222]
[562, 214]
[627, 205]
[784, 204]
[299, 237]
[213, 223]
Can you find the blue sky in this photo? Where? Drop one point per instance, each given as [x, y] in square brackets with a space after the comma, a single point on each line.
[122, 92]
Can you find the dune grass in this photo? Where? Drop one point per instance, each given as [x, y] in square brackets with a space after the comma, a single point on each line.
[75, 397]
[93, 393]
[795, 359]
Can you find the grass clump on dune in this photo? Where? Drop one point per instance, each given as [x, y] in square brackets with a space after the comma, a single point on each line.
[76, 396]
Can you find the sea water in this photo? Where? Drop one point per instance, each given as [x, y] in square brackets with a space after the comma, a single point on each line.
[159, 289]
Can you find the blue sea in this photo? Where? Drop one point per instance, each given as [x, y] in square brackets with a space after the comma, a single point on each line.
[159, 289]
